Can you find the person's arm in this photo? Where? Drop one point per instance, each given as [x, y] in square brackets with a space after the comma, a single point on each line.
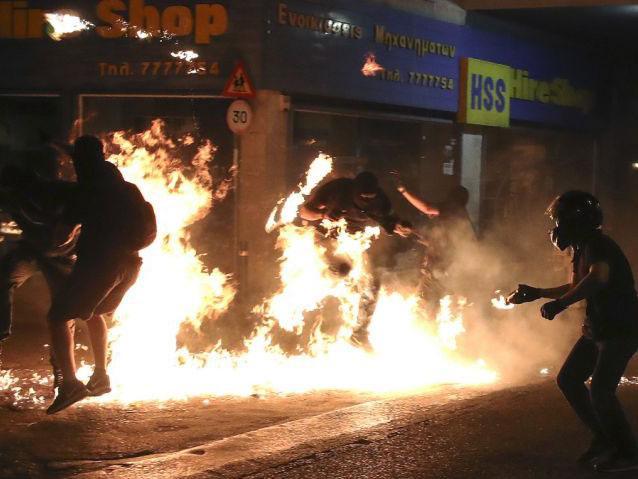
[387, 219]
[555, 293]
[525, 293]
[310, 212]
[316, 208]
[418, 203]
[596, 278]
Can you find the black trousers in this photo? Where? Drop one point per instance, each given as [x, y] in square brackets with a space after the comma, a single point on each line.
[598, 407]
[20, 264]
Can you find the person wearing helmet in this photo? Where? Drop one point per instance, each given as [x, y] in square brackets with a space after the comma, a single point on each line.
[361, 202]
[603, 277]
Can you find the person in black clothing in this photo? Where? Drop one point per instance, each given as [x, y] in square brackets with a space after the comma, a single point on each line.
[602, 276]
[361, 202]
[47, 243]
[107, 264]
[451, 228]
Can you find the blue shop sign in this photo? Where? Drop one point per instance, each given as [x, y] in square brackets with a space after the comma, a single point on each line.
[321, 51]
[381, 55]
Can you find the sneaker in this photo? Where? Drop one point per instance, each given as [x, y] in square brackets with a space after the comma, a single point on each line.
[618, 463]
[99, 384]
[68, 394]
[597, 449]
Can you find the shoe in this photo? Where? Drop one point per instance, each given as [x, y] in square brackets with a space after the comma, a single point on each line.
[57, 373]
[68, 394]
[99, 384]
[57, 378]
[618, 463]
[597, 449]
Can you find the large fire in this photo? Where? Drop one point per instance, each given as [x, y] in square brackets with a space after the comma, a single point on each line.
[315, 303]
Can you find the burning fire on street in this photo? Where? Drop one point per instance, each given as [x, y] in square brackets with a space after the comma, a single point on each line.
[315, 303]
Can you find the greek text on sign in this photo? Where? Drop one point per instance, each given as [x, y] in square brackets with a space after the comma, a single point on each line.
[239, 116]
[239, 84]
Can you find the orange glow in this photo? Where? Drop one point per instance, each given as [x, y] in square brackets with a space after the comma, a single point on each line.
[371, 67]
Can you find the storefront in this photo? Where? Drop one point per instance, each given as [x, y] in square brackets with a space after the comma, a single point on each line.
[385, 89]
[523, 133]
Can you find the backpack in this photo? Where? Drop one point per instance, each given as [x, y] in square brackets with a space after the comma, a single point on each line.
[140, 228]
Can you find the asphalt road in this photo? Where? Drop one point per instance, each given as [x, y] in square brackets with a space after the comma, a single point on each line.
[520, 433]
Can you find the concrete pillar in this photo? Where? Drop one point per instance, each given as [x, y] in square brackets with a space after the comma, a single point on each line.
[262, 168]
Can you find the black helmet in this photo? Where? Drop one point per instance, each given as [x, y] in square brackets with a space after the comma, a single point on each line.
[577, 215]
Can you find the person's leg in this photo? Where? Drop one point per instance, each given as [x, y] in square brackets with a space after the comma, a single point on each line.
[99, 383]
[63, 342]
[578, 367]
[612, 361]
[16, 267]
[98, 334]
[56, 272]
[128, 272]
[367, 307]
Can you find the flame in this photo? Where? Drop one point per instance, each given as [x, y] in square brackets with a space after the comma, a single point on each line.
[500, 302]
[186, 55]
[317, 304]
[402, 335]
[65, 25]
[371, 67]
[281, 215]
[173, 287]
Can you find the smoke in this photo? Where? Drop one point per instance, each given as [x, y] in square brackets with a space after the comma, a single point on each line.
[517, 343]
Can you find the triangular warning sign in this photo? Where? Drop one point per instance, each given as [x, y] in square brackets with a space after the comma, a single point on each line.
[239, 85]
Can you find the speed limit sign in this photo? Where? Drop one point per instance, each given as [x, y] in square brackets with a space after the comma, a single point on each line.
[239, 116]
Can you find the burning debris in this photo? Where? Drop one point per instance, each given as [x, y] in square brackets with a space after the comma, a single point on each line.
[65, 25]
[500, 302]
[186, 55]
[371, 67]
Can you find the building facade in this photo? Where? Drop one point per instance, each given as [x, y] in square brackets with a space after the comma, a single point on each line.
[444, 100]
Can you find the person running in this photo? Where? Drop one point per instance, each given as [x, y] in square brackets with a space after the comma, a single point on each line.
[450, 231]
[116, 222]
[603, 278]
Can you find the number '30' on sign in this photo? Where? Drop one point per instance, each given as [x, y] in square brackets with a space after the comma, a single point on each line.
[239, 116]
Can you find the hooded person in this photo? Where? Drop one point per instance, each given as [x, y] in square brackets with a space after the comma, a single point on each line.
[116, 223]
[603, 278]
